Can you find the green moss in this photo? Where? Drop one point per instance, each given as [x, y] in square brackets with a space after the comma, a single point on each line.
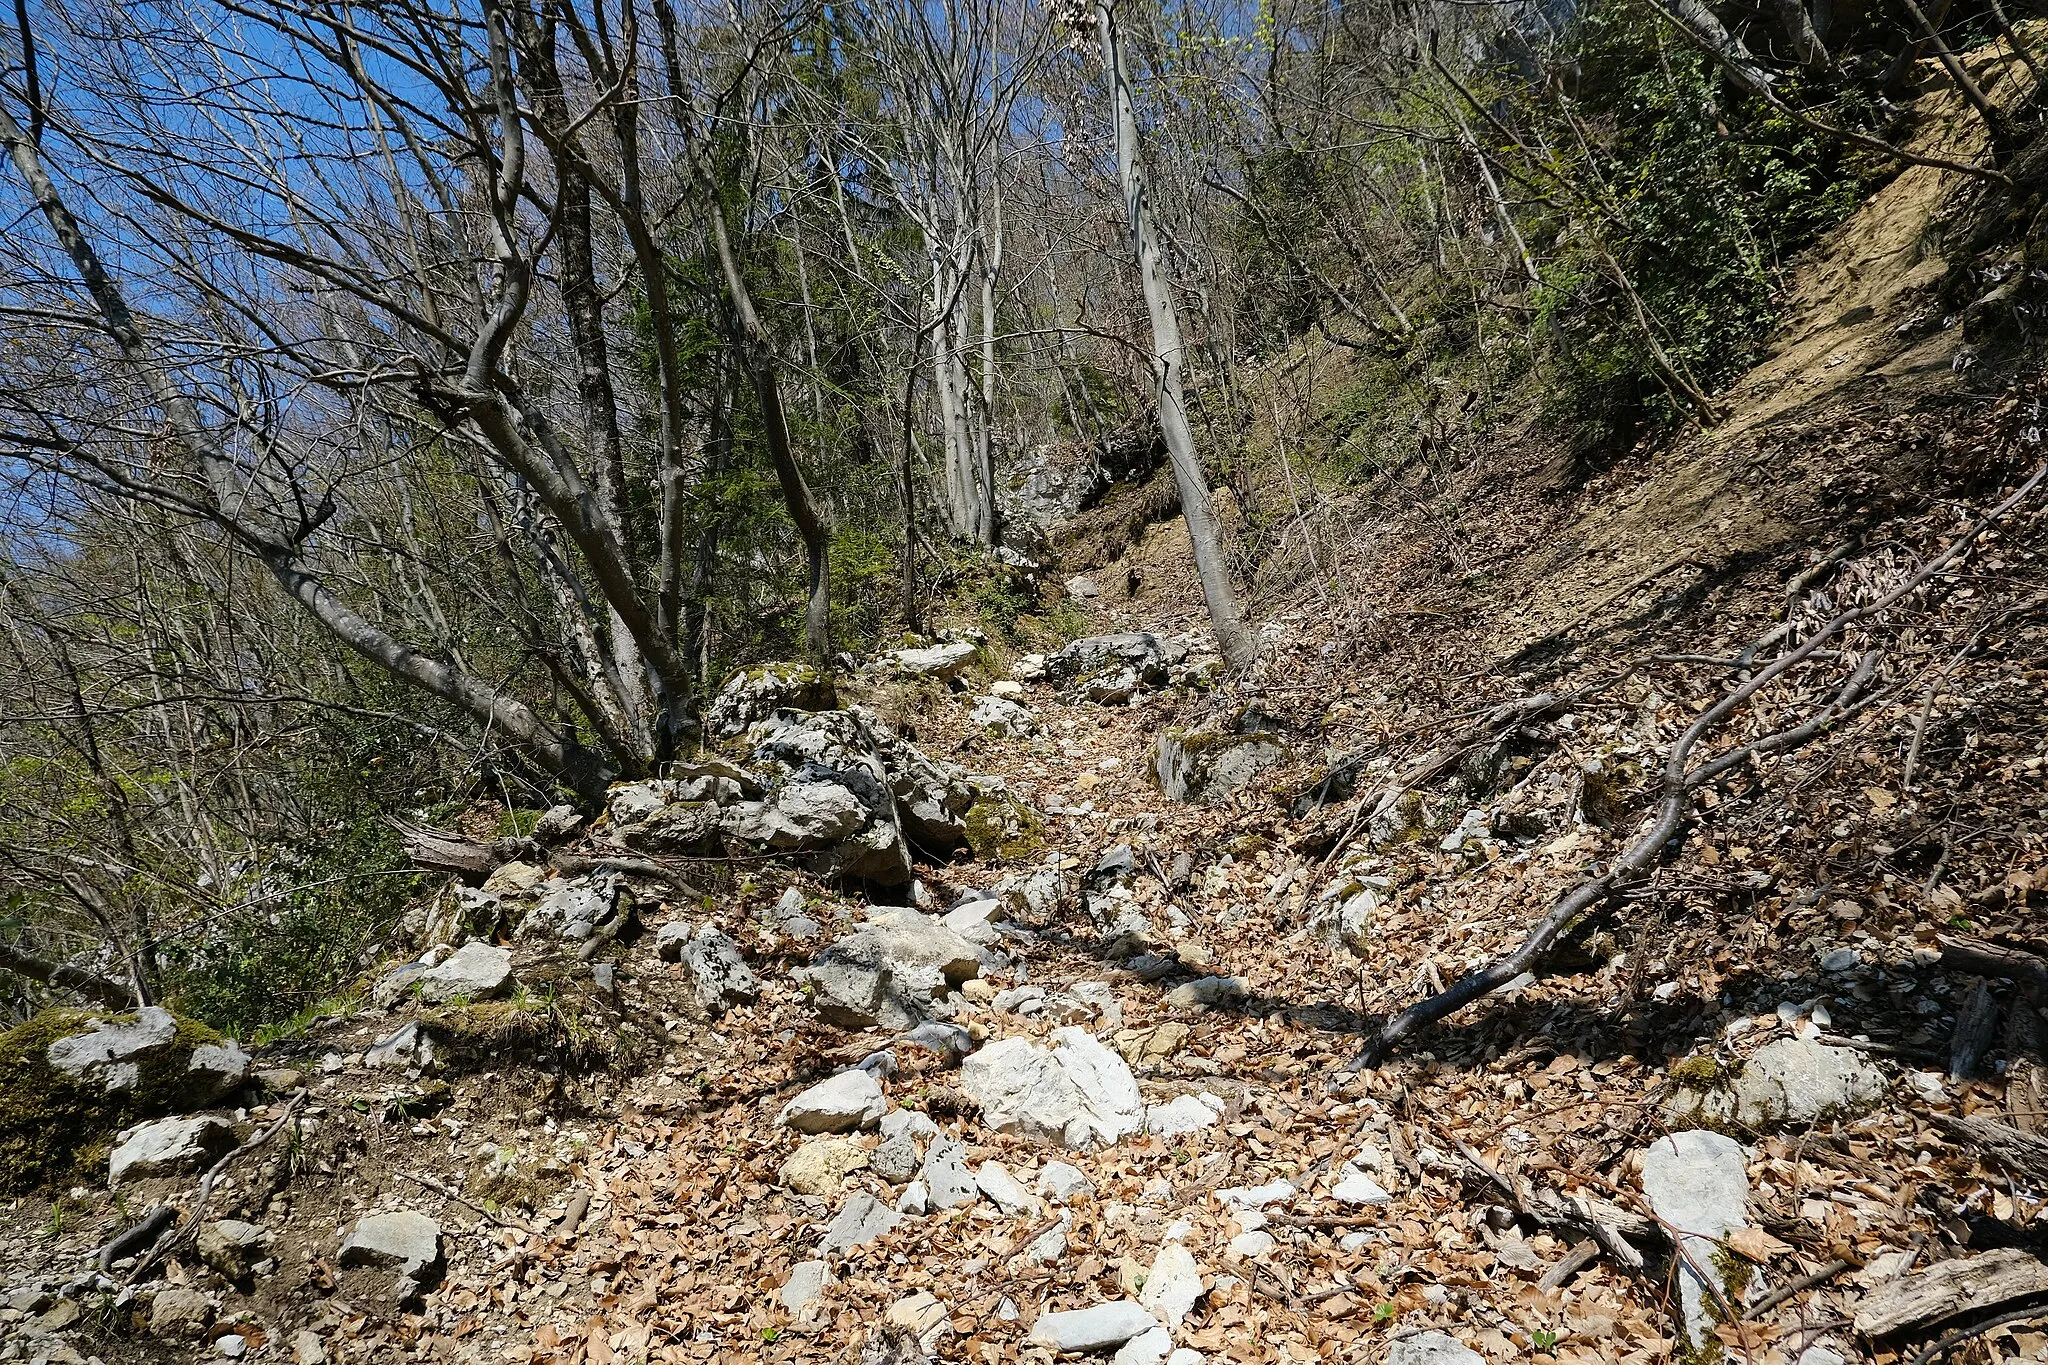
[1703, 1072]
[55, 1132]
[1000, 827]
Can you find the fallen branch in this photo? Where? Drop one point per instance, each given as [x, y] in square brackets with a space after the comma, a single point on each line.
[178, 1234]
[59, 976]
[1798, 1286]
[1577, 1259]
[429, 1183]
[445, 852]
[1977, 957]
[632, 867]
[1680, 779]
[143, 1234]
[2025, 1153]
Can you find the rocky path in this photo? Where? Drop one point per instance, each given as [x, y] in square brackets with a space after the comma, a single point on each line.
[1087, 1095]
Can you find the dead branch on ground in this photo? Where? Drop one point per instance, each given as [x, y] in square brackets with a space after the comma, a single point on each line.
[1681, 778]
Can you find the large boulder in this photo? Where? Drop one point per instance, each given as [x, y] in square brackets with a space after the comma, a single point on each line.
[169, 1147]
[918, 941]
[1215, 762]
[112, 1052]
[754, 694]
[1079, 1094]
[853, 983]
[1111, 669]
[574, 910]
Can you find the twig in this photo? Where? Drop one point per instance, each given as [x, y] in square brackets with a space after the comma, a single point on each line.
[177, 1235]
[1577, 1259]
[1798, 1286]
[428, 1182]
[1919, 733]
[1963, 1334]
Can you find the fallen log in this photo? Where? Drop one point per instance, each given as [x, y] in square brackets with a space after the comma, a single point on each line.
[443, 851]
[1980, 957]
[1949, 1289]
[2025, 1153]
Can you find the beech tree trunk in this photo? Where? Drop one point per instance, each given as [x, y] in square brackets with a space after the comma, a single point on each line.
[1168, 356]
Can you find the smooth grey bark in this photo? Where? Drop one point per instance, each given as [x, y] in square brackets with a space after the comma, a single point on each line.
[1168, 357]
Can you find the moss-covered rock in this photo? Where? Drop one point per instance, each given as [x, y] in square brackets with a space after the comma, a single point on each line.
[1001, 827]
[54, 1127]
[1216, 762]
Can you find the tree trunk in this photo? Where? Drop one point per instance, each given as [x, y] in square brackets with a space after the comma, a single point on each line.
[1168, 356]
[796, 494]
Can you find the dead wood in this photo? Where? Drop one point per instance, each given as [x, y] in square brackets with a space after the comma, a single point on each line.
[2023, 1152]
[1681, 778]
[1980, 957]
[1976, 1026]
[1951, 1288]
[632, 867]
[177, 1234]
[61, 977]
[443, 851]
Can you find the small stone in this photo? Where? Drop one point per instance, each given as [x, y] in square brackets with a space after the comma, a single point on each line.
[475, 971]
[1356, 1187]
[406, 1241]
[1049, 1245]
[895, 1160]
[1251, 1245]
[1697, 1184]
[1431, 1348]
[946, 1176]
[805, 1287]
[861, 1220]
[179, 1314]
[1841, 960]
[913, 1123]
[307, 1350]
[232, 1247]
[1256, 1196]
[671, 938]
[1174, 1285]
[821, 1167]
[234, 1345]
[1209, 992]
[921, 1314]
[849, 1101]
[995, 1181]
[1147, 1348]
[169, 1147]
[915, 1200]
[1061, 1182]
[1183, 1115]
[406, 1048]
[1082, 1331]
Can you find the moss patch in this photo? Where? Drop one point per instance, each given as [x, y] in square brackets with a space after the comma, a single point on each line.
[53, 1131]
[1002, 827]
